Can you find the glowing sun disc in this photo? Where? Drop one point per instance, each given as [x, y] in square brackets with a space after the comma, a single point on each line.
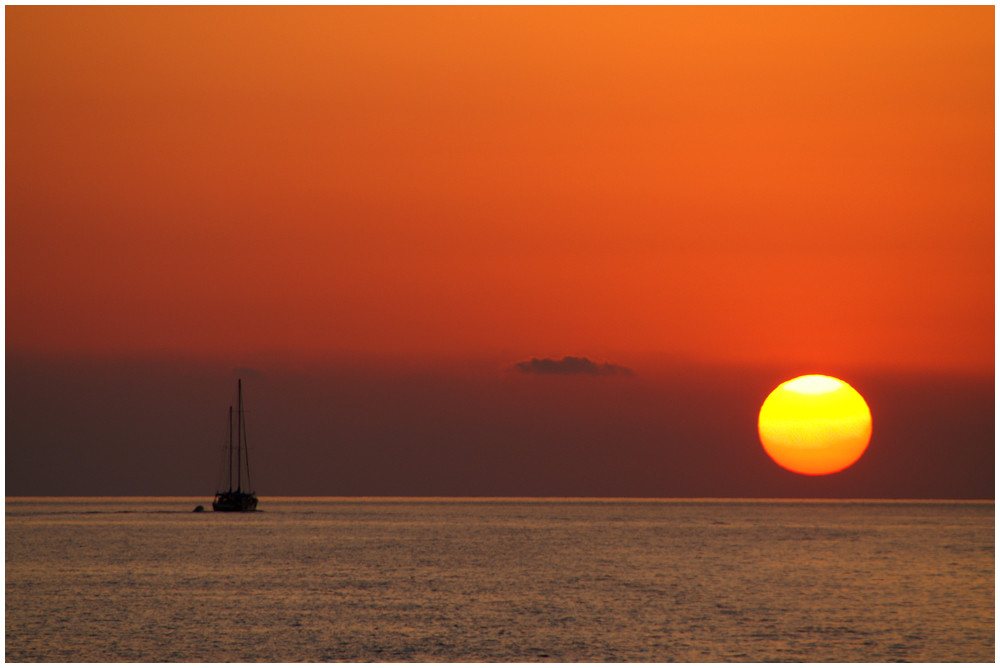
[815, 425]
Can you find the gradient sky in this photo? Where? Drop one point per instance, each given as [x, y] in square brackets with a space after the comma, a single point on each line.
[409, 201]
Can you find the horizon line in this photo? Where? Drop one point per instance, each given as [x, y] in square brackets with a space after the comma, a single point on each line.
[524, 498]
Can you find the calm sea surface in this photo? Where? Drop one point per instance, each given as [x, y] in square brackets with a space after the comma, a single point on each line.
[499, 580]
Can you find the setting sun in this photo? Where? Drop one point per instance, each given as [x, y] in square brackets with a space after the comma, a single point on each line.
[815, 425]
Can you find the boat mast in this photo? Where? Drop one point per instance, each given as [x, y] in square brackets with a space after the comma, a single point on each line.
[246, 452]
[230, 460]
[239, 435]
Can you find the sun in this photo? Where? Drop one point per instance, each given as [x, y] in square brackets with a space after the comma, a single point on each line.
[815, 425]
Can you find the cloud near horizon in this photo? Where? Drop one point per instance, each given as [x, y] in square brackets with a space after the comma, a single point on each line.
[570, 366]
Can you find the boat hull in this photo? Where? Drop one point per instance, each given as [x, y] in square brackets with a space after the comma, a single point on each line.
[234, 502]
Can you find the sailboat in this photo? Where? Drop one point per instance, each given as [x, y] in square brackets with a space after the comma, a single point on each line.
[236, 499]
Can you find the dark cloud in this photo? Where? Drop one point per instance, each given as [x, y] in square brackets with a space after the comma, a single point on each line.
[570, 366]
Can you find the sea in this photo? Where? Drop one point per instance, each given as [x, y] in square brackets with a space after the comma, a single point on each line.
[499, 580]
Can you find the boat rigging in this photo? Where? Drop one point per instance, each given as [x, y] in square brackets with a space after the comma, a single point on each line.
[237, 499]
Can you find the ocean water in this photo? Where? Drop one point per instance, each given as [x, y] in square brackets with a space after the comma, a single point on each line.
[490, 580]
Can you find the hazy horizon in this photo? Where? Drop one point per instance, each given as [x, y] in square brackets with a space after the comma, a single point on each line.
[472, 429]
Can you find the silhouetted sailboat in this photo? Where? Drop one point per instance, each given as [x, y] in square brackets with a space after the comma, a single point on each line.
[237, 500]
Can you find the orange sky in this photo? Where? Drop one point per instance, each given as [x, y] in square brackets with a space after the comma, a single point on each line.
[790, 185]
